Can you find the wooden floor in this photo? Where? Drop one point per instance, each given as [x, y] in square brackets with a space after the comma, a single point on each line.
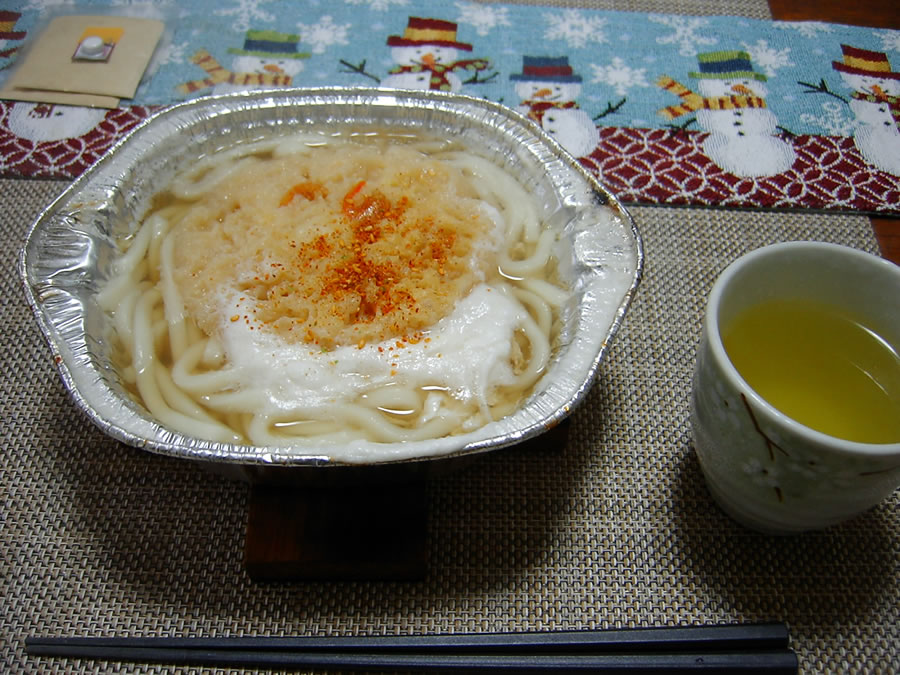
[875, 13]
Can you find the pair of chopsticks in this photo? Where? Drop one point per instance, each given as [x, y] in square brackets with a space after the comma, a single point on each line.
[737, 648]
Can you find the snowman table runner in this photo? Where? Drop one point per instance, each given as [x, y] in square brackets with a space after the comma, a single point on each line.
[664, 109]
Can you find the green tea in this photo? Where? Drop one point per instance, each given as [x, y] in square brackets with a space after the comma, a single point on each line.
[821, 367]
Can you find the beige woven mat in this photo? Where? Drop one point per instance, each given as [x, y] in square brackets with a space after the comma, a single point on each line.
[616, 529]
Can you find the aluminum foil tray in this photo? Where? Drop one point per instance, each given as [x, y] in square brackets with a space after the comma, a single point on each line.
[70, 249]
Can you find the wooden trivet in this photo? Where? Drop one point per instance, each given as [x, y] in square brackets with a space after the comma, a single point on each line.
[337, 533]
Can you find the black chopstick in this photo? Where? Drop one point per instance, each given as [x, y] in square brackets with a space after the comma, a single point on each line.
[744, 648]
[742, 663]
[723, 637]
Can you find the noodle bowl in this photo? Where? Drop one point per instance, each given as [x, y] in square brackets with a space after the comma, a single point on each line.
[537, 277]
[328, 289]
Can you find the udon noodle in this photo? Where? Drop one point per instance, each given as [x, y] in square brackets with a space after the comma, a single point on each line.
[315, 289]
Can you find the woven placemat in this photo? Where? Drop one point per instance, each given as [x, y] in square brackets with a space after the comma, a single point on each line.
[615, 529]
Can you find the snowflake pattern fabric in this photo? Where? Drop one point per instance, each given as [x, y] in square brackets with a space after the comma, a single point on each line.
[671, 109]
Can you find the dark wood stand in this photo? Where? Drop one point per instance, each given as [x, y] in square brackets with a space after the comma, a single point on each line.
[358, 532]
[371, 532]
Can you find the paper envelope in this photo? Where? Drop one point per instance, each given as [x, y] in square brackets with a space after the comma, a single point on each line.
[50, 66]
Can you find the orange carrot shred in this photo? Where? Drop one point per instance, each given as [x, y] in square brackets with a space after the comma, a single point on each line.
[348, 198]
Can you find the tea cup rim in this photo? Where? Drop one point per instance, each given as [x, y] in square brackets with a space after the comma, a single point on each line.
[711, 326]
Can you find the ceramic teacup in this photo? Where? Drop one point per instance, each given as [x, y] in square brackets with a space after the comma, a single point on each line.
[764, 468]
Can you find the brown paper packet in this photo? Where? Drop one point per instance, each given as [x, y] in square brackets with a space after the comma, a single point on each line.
[49, 66]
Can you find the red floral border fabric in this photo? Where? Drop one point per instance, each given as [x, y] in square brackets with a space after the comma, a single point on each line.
[643, 166]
